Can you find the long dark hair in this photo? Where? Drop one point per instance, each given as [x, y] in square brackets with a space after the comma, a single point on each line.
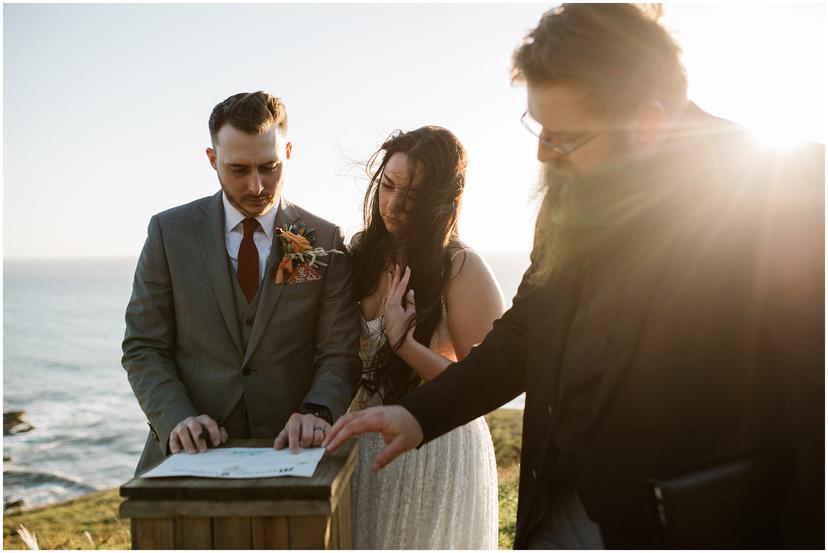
[426, 239]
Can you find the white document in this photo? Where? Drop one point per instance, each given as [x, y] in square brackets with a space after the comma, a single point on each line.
[240, 462]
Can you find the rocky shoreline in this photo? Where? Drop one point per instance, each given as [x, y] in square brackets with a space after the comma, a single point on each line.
[14, 422]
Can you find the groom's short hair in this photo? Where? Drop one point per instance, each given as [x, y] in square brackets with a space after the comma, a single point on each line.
[619, 55]
[250, 112]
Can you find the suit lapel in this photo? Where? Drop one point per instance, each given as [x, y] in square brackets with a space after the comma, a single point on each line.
[271, 293]
[210, 237]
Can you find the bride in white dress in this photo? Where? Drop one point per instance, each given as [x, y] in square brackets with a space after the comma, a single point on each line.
[443, 495]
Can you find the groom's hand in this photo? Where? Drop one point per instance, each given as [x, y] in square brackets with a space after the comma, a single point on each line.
[398, 427]
[187, 435]
[302, 431]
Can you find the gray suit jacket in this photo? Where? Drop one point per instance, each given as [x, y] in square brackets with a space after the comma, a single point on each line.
[183, 350]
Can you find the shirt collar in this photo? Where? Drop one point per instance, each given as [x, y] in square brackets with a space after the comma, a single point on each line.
[232, 217]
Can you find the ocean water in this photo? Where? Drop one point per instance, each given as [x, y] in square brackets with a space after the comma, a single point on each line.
[63, 322]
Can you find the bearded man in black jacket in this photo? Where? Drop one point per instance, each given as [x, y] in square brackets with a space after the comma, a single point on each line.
[669, 334]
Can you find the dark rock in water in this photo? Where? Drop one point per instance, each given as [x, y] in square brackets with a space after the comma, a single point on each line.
[14, 422]
[12, 505]
[40, 488]
[6, 459]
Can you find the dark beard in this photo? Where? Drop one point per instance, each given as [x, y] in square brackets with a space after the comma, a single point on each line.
[235, 201]
[549, 248]
[580, 210]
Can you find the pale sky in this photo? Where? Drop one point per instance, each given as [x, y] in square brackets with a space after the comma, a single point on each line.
[106, 105]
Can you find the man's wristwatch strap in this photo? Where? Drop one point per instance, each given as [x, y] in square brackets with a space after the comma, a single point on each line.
[317, 411]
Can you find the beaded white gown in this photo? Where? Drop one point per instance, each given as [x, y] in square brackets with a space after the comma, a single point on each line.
[441, 496]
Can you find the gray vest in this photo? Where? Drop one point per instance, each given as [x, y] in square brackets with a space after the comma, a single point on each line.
[245, 312]
[237, 422]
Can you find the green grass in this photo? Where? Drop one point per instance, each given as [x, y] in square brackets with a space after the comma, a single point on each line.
[506, 426]
[91, 521]
[62, 526]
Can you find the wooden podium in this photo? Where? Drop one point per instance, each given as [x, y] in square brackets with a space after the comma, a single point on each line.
[257, 513]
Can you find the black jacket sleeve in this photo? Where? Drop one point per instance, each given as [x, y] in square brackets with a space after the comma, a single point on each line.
[491, 375]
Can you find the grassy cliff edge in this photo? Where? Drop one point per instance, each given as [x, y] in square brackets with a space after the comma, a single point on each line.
[92, 522]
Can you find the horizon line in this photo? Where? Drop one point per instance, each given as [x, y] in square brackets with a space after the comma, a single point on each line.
[135, 257]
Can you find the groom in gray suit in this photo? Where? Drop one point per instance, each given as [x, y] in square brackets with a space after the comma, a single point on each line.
[222, 339]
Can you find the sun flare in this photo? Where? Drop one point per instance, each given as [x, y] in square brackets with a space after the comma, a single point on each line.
[760, 65]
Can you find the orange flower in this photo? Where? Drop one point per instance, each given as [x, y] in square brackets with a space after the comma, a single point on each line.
[285, 265]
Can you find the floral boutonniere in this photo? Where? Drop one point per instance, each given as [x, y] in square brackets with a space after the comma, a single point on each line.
[300, 258]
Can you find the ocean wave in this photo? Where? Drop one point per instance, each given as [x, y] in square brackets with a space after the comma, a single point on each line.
[40, 488]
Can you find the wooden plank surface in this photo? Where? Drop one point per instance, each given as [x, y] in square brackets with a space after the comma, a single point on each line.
[333, 536]
[319, 486]
[193, 532]
[147, 508]
[270, 533]
[152, 533]
[232, 533]
[308, 532]
[343, 515]
[342, 481]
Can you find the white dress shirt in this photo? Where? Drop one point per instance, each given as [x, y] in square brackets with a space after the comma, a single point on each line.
[234, 232]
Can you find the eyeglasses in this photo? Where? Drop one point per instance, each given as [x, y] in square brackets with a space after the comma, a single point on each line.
[568, 146]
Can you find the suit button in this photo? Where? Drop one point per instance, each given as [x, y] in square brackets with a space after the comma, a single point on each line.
[246, 371]
[534, 474]
[249, 322]
[549, 408]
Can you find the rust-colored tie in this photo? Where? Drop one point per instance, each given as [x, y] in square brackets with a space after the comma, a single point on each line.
[249, 260]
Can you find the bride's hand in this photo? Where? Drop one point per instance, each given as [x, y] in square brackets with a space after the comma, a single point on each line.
[395, 316]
